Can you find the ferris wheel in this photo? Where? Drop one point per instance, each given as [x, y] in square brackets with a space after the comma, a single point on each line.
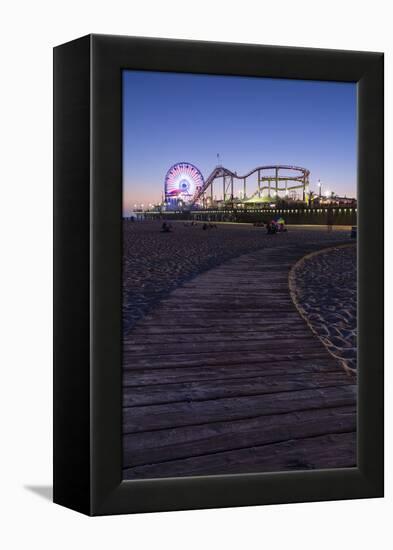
[182, 181]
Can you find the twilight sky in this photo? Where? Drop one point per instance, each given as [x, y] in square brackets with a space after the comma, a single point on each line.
[171, 117]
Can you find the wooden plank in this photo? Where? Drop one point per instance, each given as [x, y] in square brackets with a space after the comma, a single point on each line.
[296, 344]
[175, 443]
[170, 375]
[134, 361]
[205, 390]
[195, 338]
[155, 417]
[327, 451]
[241, 317]
[223, 328]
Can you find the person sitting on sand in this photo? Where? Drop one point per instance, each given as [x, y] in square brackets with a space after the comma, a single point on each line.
[166, 227]
[271, 228]
[280, 224]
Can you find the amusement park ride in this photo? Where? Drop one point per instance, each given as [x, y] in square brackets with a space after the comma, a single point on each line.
[186, 189]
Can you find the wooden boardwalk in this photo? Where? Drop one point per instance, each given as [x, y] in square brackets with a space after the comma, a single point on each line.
[225, 377]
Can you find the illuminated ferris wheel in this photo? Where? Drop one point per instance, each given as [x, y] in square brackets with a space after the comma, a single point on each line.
[182, 181]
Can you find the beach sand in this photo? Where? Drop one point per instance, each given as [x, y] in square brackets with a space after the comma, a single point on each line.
[156, 263]
[325, 289]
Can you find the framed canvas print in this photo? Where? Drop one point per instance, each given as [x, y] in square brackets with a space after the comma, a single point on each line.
[218, 274]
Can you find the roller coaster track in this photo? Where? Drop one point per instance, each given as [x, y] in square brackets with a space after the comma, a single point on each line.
[221, 171]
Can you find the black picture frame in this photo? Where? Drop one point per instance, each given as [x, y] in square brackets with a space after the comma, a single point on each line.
[87, 274]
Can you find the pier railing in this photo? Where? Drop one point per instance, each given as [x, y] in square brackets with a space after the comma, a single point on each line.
[301, 216]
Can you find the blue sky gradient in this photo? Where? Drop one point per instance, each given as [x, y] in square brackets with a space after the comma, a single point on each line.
[171, 117]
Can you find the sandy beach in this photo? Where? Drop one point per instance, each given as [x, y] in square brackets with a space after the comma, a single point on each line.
[326, 292]
[156, 263]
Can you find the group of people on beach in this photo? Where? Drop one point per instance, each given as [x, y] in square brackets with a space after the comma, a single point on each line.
[276, 225]
[167, 227]
[273, 226]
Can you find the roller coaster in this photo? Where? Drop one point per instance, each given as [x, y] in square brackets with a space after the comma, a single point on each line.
[263, 184]
[185, 187]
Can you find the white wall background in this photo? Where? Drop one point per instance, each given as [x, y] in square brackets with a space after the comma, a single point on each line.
[28, 31]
